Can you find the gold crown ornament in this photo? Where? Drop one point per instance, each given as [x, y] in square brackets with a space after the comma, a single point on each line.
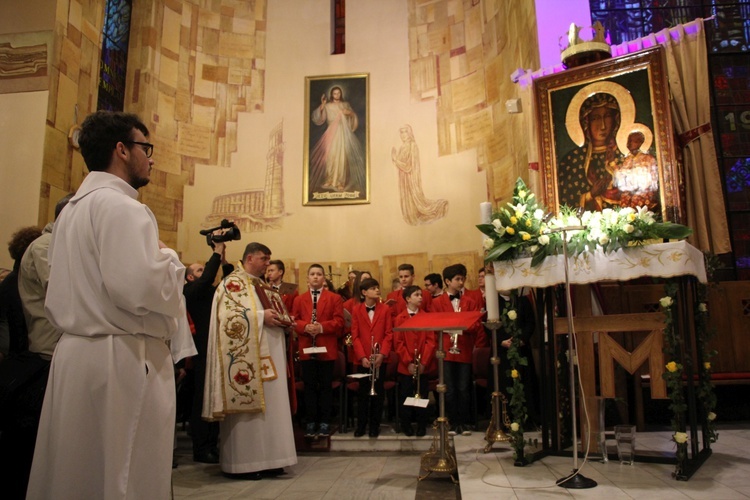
[583, 45]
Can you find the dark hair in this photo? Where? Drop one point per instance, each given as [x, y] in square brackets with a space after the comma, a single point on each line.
[61, 204]
[21, 240]
[255, 247]
[454, 270]
[406, 267]
[410, 290]
[435, 279]
[278, 264]
[316, 266]
[100, 133]
[329, 285]
[368, 283]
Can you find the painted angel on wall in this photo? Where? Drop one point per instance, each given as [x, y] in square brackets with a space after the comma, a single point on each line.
[415, 208]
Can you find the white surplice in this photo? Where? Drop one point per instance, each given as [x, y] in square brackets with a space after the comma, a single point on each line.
[107, 423]
[257, 441]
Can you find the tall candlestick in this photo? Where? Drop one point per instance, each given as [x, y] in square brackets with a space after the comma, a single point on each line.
[490, 290]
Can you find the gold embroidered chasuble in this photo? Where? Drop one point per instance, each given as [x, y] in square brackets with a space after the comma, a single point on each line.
[238, 359]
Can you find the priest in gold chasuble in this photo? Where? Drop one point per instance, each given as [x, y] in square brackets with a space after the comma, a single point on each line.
[246, 385]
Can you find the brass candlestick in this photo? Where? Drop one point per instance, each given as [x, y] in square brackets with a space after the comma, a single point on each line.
[441, 457]
[495, 432]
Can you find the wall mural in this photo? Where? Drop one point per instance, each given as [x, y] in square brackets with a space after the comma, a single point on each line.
[415, 208]
[257, 209]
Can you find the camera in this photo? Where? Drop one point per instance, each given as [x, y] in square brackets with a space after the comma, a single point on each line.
[231, 232]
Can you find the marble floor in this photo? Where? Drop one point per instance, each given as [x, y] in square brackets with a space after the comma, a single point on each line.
[377, 474]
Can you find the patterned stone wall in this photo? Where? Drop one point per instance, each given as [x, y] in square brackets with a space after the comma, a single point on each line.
[73, 80]
[462, 53]
[193, 65]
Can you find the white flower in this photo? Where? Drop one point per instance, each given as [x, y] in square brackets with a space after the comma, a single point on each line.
[488, 243]
[512, 315]
[586, 217]
[544, 240]
[603, 239]
[533, 248]
[627, 211]
[629, 228]
[702, 307]
[612, 217]
[539, 214]
[499, 228]
[680, 437]
[645, 215]
[665, 301]
[514, 427]
[518, 210]
[711, 416]
[573, 221]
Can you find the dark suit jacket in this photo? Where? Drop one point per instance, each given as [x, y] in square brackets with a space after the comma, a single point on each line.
[363, 330]
[199, 296]
[330, 314]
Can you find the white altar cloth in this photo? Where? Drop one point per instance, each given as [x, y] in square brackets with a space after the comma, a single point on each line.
[663, 260]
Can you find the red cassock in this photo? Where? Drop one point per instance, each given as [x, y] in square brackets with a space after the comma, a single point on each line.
[407, 342]
[469, 339]
[330, 314]
[363, 330]
[400, 305]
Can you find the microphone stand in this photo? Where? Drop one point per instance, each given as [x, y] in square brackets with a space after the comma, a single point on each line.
[575, 480]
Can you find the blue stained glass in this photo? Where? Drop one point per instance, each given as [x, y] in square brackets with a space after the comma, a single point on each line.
[114, 58]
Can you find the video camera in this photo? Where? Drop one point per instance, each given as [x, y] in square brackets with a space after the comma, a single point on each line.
[232, 233]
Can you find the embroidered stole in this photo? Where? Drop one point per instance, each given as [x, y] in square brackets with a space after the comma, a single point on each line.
[238, 358]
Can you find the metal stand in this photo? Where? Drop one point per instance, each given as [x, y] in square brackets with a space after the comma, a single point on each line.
[441, 457]
[495, 432]
[575, 480]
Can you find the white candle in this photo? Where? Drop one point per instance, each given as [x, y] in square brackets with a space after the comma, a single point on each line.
[490, 291]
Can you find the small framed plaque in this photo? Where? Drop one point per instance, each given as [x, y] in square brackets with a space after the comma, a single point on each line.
[271, 299]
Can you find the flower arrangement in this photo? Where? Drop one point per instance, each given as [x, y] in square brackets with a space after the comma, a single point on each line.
[516, 391]
[524, 229]
[705, 392]
[673, 377]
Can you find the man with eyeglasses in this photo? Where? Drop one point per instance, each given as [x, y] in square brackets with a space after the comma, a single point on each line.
[115, 291]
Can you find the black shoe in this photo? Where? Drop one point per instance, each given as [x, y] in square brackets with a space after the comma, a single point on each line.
[359, 432]
[421, 430]
[407, 429]
[374, 433]
[273, 472]
[244, 476]
[207, 457]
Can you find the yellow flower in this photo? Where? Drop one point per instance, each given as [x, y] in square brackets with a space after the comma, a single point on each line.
[680, 437]
[514, 427]
[671, 367]
[631, 217]
[528, 223]
[514, 373]
[522, 194]
[707, 365]
[510, 230]
[525, 236]
[513, 219]
[512, 315]
[666, 301]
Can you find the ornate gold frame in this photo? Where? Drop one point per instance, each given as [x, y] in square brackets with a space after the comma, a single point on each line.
[639, 83]
[356, 91]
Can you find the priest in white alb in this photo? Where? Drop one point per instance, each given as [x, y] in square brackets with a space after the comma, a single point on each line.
[246, 385]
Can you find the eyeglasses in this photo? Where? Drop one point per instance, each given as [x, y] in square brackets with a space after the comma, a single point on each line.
[148, 148]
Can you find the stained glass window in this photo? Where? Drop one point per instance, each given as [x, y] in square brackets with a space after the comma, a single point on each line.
[113, 65]
[338, 26]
